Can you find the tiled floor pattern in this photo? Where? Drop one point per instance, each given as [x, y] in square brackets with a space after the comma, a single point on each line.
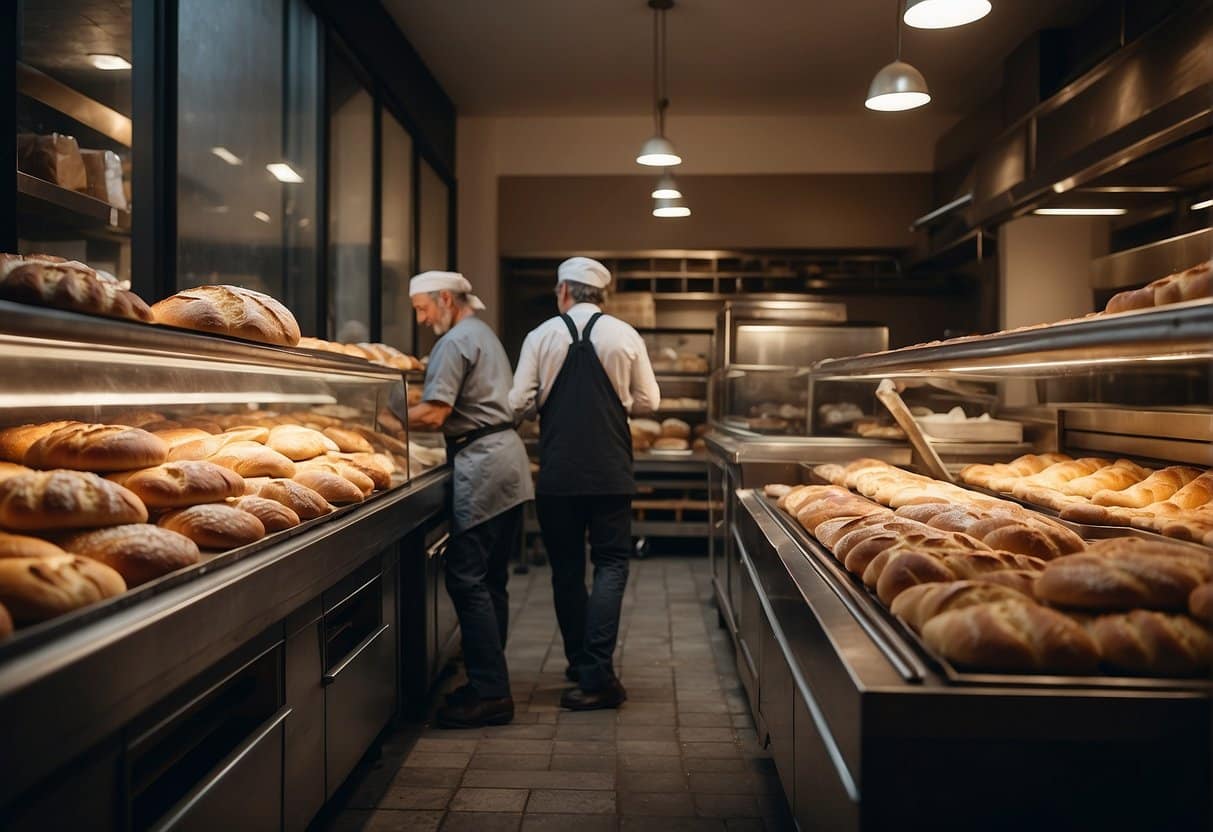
[681, 754]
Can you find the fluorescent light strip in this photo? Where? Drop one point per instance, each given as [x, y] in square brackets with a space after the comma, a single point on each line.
[227, 155]
[108, 62]
[1080, 212]
[1203, 204]
[91, 399]
[284, 172]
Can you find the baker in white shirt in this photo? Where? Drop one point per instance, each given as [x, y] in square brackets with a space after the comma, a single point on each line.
[583, 372]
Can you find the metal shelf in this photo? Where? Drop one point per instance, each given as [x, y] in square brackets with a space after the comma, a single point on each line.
[1176, 333]
[70, 208]
[93, 114]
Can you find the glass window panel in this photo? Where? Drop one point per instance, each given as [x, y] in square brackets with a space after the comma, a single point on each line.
[396, 244]
[301, 205]
[433, 240]
[229, 128]
[74, 130]
[351, 128]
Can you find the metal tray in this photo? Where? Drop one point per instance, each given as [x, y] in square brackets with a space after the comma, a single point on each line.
[876, 608]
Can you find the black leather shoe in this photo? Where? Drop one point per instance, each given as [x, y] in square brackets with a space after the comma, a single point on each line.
[570, 673]
[461, 694]
[611, 696]
[476, 713]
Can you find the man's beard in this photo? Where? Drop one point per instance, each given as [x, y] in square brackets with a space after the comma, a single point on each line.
[444, 325]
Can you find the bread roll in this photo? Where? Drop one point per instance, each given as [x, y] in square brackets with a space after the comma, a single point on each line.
[183, 483]
[676, 429]
[919, 604]
[1123, 574]
[1115, 477]
[647, 427]
[334, 488]
[1011, 635]
[15, 442]
[250, 459]
[775, 490]
[1200, 603]
[342, 469]
[1160, 485]
[37, 589]
[47, 500]
[1191, 284]
[349, 441]
[375, 466]
[1154, 643]
[273, 515]
[6, 623]
[209, 445]
[97, 448]
[139, 552]
[65, 287]
[1131, 299]
[21, 546]
[175, 437]
[1023, 466]
[230, 310]
[215, 525]
[253, 485]
[304, 501]
[299, 443]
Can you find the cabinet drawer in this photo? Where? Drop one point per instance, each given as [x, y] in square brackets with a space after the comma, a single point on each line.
[359, 699]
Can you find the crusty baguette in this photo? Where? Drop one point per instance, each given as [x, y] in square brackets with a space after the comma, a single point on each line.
[1200, 603]
[1116, 477]
[11, 469]
[831, 473]
[304, 501]
[182, 483]
[376, 466]
[334, 488]
[1160, 485]
[1190, 284]
[342, 469]
[272, 514]
[1007, 527]
[37, 589]
[6, 623]
[139, 552]
[15, 442]
[1058, 475]
[48, 500]
[215, 526]
[1130, 299]
[1123, 574]
[919, 604]
[1012, 636]
[23, 546]
[1154, 643]
[1023, 466]
[776, 490]
[65, 287]
[230, 310]
[251, 459]
[97, 448]
[897, 569]
[348, 441]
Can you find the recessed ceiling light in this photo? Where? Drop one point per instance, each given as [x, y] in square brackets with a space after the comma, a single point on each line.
[227, 155]
[108, 62]
[1203, 204]
[261, 215]
[284, 172]
[1080, 212]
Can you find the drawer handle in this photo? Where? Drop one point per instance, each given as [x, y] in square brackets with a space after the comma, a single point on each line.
[331, 676]
[351, 596]
[439, 547]
[232, 760]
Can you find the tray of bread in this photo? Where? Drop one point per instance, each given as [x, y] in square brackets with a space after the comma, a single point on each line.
[993, 593]
[94, 517]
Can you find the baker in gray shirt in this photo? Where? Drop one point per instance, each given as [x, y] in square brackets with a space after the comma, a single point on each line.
[467, 385]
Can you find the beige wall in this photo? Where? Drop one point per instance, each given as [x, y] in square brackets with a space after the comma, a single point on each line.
[1045, 263]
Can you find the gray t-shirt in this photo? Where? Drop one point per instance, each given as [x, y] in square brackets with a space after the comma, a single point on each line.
[469, 371]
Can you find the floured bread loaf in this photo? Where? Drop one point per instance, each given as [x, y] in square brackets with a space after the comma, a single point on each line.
[215, 525]
[47, 500]
[96, 448]
[334, 488]
[304, 501]
[299, 443]
[230, 310]
[348, 441]
[139, 552]
[37, 589]
[183, 483]
[64, 286]
[22, 546]
[273, 515]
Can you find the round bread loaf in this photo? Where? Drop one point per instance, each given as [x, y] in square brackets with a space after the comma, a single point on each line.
[97, 448]
[46, 500]
[305, 502]
[139, 552]
[348, 441]
[230, 310]
[334, 488]
[15, 442]
[22, 546]
[250, 459]
[214, 525]
[36, 589]
[182, 483]
[6, 623]
[273, 515]
[676, 428]
[299, 443]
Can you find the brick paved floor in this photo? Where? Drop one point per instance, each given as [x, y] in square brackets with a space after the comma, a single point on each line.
[681, 754]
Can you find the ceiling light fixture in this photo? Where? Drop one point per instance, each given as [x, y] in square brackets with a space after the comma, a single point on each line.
[658, 151]
[670, 208]
[261, 215]
[1202, 205]
[108, 62]
[898, 86]
[666, 187]
[944, 14]
[1080, 212]
[227, 155]
[284, 172]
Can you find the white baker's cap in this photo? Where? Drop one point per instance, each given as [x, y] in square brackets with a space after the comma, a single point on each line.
[583, 270]
[427, 282]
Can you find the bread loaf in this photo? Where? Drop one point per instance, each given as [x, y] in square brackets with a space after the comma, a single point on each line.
[299, 443]
[1123, 574]
[1057, 476]
[1158, 486]
[6, 623]
[898, 568]
[47, 500]
[1115, 477]
[250, 459]
[1154, 643]
[207, 446]
[831, 473]
[334, 488]
[375, 466]
[775, 490]
[670, 443]
[342, 469]
[1200, 603]
[15, 442]
[348, 441]
[304, 501]
[37, 589]
[175, 437]
[10, 469]
[919, 604]
[230, 310]
[273, 515]
[1011, 635]
[1130, 299]
[63, 286]
[183, 483]
[97, 448]
[1023, 466]
[1191, 284]
[21, 546]
[215, 525]
[1008, 528]
[676, 429]
[139, 552]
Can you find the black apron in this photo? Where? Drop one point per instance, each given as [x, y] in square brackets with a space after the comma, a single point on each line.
[585, 443]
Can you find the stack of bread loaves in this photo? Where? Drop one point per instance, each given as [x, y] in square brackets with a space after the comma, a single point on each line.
[992, 586]
[46, 280]
[383, 354]
[668, 435]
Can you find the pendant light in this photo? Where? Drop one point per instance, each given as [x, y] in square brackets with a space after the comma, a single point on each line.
[944, 14]
[898, 86]
[666, 187]
[670, 208]
[659, 151]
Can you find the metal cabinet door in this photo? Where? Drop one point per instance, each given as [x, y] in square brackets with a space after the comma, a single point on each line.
[821, 799]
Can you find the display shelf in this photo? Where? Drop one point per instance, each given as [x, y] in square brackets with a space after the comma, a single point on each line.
[674, 375]
[70, 208]
[58, 96]
[1147, 337]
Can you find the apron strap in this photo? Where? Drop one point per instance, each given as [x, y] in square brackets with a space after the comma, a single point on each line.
[572, 327]
[589, 327]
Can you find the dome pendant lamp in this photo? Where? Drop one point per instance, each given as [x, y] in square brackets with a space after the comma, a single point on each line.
[944, 14]
[658, 151]
[898, 86]
[666, 188]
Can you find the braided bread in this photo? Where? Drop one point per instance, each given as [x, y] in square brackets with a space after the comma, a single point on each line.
[896, 569]
[919, 604]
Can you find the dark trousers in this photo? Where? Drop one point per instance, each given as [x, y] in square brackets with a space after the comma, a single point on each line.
[477, 571]
[588, 623]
